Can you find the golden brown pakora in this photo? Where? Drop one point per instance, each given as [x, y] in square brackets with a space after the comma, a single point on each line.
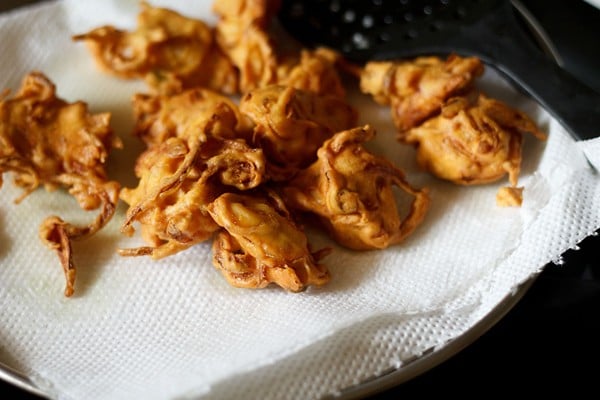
[261, 244]
[242, 33]
[160, 117]
[291, 124]
[194, 154]
[215, 170]
[47, 141]
[313, 71]
[474, 140]
[170, 51]
[416, 89]
[351, 191]
[177, 183]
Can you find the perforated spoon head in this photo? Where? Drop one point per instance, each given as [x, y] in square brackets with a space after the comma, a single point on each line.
[363, 30]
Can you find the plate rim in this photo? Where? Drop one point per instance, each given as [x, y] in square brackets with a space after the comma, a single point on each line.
[435, 357]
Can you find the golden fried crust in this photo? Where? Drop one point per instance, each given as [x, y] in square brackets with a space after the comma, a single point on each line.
[417, 89]
[241, 33]
[171, 218]
[159, 117]
[177, 182]
[196, 151]
[215, 72]
[351, 190]
[509, 196]
[473, 141]
[291, 124]
[170, 51]
[260, 244]
[315, 71]
[46, 141]
[248, 12]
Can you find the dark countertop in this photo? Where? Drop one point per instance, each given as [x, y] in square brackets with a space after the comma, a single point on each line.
[549, 342]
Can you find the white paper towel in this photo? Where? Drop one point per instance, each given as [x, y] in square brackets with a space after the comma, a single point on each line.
[173, 328]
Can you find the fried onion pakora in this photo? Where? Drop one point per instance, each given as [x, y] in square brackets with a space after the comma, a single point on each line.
[46, 141]
[160, 117]
[313, 71]
[291, 124]
[177, 184]
[474, 140]
[170, 51]
[242, 34]
[351, 190]
[416, 89]
[261, 244]
[193, 157]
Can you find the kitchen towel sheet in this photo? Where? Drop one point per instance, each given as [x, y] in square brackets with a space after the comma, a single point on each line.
[138, 328]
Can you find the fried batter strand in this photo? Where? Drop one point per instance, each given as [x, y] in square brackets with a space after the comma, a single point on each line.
[291, 124]
[193, 157]
[473, 141]
[261, 244]
[46, 141]
[170, 51]
[416, 89]
[351, 190]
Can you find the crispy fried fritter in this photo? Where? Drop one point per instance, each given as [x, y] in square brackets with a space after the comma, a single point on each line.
[291, 124]
[193, 157]
[314, 71]
[351, 190]
[46, 141]
[177, 183]
[216, 72]
[474, 140]
[248, 12]
[170, 51]
[159, 117]
[261, 244]
[416, 89]
[241, 32]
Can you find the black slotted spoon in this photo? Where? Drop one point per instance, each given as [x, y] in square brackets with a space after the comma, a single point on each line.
[365, 30]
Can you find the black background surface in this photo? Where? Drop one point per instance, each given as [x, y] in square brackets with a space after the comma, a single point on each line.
[549, 342]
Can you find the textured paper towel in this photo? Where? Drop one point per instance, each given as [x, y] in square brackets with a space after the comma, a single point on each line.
[138, 328]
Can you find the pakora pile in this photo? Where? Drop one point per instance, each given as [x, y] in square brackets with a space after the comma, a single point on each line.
[248, 142]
